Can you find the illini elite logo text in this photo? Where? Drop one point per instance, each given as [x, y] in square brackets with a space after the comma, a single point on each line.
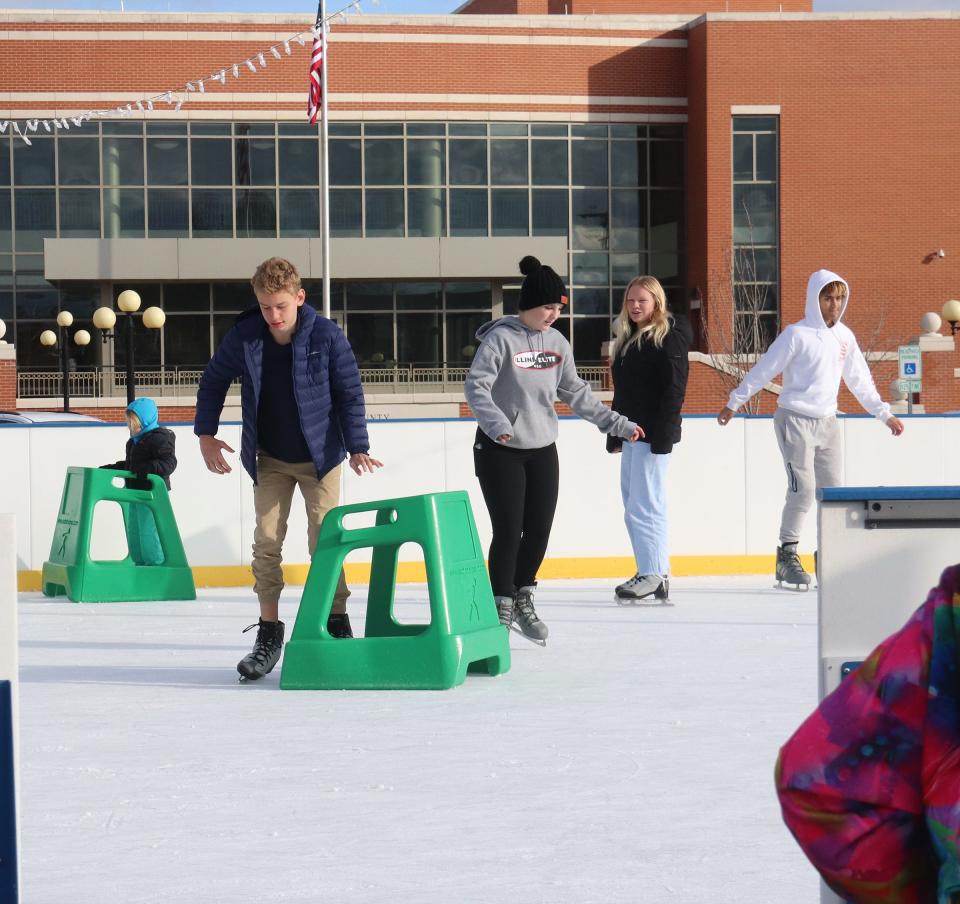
[537, 360]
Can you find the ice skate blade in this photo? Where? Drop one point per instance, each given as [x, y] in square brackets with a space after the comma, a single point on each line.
[793, 588]
[539, 643]
[648, 602]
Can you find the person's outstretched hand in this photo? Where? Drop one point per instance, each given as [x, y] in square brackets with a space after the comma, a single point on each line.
[361, 461]
[211, 450]
[725, 416]
[638, 434]
[895, 425]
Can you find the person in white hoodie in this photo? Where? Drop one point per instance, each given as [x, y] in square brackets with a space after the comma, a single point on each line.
[521, 367]
[812, 355]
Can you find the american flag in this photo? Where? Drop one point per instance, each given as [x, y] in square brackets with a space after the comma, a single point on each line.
[316, 69]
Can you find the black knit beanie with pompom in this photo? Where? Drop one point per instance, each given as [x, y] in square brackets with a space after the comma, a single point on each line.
[541, 285]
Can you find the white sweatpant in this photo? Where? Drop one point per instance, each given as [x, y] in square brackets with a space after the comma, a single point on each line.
[811, 456]
[643, 485]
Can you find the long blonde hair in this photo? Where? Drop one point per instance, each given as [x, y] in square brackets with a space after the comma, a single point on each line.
[625, 332]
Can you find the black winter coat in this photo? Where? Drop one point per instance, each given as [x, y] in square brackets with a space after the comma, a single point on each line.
[650, 384]
[154, 454]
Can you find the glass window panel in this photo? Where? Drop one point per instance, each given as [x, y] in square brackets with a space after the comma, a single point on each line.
[304, 130]
[755, 298]
[754, 333]
[345, 213]
[345, 166]
[4, 160]
[123, 213]
[369, 296]
[467, 128]
[299, 212]
[383, 162]
[186, 297]
[590, 130]
[421, 296]
[33, 164]
[550, 211]
[549, 162]
[628, 131]
[371, 336]
[766, 157]
[79, 162]
[511, 299]
[122, 161]
[256, 128]
[6, 222]
[666, 163]
[384, 212]
[663, 130]
[462, 336]
[210, 161]
[344, 128]
[426, 213]
[628, 220]
[625, 267]
[591, 300]
[30, 353]
[419, 338]
[299, 162]
[79, 213]
[233, 296]
[167, 213]
[255, 159]
[508, 162]
[35, 217]
[383, 128]
[590, 269]
[628, 162]
[755, 214]
[589, 162]
[425, 162]
[754, 123]
[589, 334]
[743, 157]
[222, 324]
[35, 296]
[426, 128]
[157, 127]
[590, 219]
[548, 130]
[6, 299]
[468, 162]
[212, 213]
[754, 264]
[122, 128]
[209, 128]
[313, 290]
[256, 213]
[462, 295]
[508, 128]
[468, 211]
[509, 211]
[666, 266]
[667, 220]
[167, 161]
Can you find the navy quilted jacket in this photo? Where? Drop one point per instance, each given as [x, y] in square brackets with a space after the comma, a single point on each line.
[326, 383]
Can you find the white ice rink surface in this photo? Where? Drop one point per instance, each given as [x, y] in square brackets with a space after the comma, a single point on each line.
[628, 762]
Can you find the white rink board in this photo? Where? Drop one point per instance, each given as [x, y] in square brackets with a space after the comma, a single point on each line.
[726, 484]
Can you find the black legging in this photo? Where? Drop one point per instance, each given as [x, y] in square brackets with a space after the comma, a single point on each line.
[520, 489]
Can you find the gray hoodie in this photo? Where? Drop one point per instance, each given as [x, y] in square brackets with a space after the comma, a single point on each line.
[517, 375]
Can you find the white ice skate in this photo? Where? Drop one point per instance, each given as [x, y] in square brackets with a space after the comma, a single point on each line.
[644, 590]
[789, 569]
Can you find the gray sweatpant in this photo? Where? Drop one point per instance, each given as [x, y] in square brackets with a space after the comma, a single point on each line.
[811, 455]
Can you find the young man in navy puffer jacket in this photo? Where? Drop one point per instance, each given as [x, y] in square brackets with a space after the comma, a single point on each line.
[303, 413]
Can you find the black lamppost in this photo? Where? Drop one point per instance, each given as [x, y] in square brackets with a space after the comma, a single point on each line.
[104, 319]
[49, 338]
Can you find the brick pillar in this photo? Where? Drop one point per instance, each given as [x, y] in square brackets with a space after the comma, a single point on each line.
[8, 377]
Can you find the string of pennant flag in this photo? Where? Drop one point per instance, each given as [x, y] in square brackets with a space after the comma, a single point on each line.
[175, 98]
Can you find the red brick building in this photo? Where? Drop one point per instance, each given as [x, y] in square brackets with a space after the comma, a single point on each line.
[729, 147]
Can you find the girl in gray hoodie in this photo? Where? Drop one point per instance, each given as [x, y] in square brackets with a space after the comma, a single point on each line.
[520, 369]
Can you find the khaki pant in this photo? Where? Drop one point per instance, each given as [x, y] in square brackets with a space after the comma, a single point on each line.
[272, 497]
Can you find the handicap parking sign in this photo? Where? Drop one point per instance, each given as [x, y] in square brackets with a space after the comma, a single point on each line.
[909, 368]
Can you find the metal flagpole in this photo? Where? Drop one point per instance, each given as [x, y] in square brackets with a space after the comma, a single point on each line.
[325, 171]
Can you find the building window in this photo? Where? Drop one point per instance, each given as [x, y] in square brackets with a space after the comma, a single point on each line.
[755, 253]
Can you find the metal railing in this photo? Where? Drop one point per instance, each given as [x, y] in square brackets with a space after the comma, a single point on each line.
[161, 382]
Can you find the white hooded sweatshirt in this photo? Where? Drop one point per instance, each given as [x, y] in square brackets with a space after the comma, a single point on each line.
[812, 358]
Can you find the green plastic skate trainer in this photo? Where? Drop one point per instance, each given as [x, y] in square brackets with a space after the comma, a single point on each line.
[464, 633]
[70, 571]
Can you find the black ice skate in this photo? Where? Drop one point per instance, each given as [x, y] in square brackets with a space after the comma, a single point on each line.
[266, 651]
[526, 620]
[338, 625]
[504, 610]
[789, 569]
[644, 590]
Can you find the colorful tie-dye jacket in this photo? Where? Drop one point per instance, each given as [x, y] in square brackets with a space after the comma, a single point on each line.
[870, 782]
